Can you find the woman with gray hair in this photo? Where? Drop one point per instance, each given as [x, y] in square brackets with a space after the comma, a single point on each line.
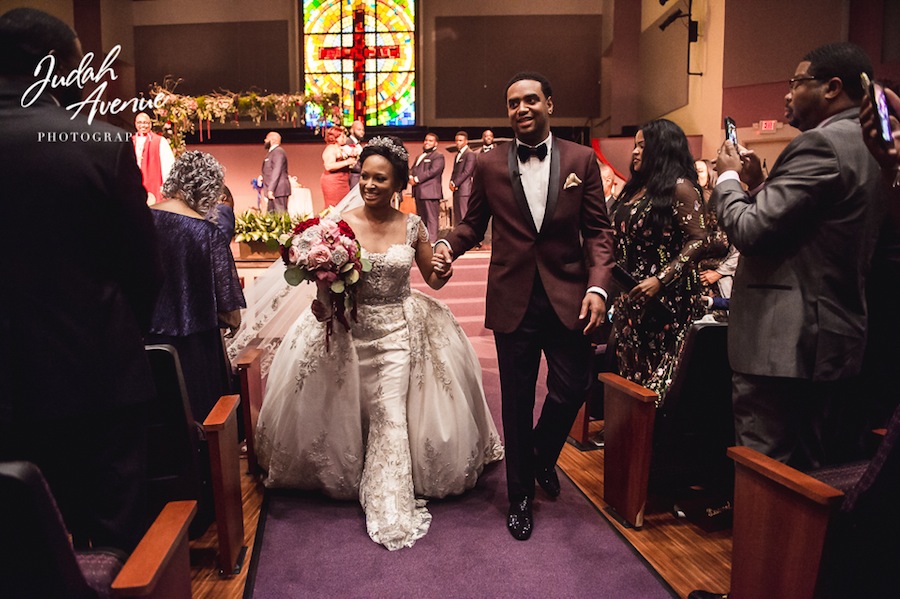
[201, 292]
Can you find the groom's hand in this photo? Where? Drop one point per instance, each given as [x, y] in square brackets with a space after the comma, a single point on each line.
[445, 255]
[594, 306]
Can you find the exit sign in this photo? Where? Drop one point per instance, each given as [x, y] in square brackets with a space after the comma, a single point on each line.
[768, 126]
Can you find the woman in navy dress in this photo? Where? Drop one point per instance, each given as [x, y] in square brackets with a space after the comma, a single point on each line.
[201, 292]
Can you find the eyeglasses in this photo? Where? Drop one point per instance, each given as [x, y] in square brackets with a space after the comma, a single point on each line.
[795, 81]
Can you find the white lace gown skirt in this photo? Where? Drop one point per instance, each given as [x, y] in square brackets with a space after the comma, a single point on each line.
[451, 431]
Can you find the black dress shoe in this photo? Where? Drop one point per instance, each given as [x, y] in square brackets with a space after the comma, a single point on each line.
[707, 595]
[520, 521]
[548, 480]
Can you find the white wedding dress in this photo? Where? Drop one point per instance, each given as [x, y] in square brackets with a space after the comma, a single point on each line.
[393, 413]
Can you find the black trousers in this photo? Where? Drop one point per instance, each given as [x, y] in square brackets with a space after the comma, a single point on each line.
[802, 423]
[279, 204]
[430, 213]
[568, 355]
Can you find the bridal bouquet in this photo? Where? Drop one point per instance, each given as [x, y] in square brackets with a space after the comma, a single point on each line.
[326, 252]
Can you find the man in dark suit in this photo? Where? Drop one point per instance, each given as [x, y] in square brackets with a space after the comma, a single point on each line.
[275, 174]
[74, 378]
[487, 141]
[425, 179]
[461, 179]
[550, 265]
[798, 308]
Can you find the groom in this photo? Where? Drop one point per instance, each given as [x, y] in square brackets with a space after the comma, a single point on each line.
[551, 261]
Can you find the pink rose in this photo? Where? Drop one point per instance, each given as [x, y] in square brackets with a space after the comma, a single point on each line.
[294, 255]
[319, 255]
[330, 229]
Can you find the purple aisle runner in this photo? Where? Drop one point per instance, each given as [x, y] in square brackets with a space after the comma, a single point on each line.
[316, 547]
[312, 546]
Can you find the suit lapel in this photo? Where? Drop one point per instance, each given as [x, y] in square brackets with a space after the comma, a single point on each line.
[518, 191]
[553, 189]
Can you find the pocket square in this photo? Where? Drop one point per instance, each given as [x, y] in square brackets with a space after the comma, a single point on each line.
[572, 181]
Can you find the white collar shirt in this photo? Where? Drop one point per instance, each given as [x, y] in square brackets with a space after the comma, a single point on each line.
[536, 182]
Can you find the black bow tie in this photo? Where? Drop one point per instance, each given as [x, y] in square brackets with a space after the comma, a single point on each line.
[526, 152]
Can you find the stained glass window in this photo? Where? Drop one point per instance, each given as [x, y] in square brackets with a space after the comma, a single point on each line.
[363, 51]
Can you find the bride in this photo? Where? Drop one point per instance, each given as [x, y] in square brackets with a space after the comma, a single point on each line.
[395, 411]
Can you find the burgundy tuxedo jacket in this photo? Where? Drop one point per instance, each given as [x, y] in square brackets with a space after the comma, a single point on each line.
[573, 250]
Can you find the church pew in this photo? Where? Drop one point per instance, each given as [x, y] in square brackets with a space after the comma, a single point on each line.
[250, 375]
[220, 427]
[781, 519]
[160, 567]
[681, 442]
[178, 473]
[629, 418]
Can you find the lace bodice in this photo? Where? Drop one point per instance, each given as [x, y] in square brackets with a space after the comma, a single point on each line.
[388, 281]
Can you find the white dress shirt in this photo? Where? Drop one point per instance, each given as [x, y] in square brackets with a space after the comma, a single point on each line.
[535, 175]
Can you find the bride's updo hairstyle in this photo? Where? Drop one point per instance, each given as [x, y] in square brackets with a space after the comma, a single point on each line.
[197, 179]
[394, 151]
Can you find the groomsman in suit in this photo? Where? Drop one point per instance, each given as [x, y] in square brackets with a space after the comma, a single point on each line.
[487, 141]
[551, 263]
[425, 178]
[74, 377]
[798, 307]
[274, 175]
[461, 179]
[354, 148]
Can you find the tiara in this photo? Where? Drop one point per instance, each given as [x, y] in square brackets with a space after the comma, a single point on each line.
[386, 142]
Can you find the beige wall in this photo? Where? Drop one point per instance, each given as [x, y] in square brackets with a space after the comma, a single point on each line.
[703, 113]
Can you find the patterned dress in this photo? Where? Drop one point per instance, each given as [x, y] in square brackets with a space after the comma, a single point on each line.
[393, 413]
[650, 333]
[719, 254]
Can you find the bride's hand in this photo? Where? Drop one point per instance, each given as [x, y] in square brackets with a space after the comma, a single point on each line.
[319, 310]
[442, 268]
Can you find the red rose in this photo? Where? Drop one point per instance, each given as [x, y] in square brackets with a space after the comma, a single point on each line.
[345, 229]
[301, 227]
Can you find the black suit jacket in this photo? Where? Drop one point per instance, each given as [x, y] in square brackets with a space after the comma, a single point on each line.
[798, 307]
[428, 173]
[462, 174]
[80, 270]
[573, 250]
[275, 173]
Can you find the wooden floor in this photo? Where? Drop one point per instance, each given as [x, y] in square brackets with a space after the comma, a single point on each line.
[685, 556]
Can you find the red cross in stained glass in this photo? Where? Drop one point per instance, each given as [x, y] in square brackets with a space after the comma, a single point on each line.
[359, 52]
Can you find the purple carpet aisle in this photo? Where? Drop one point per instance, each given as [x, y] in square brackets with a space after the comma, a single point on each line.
[311, 546]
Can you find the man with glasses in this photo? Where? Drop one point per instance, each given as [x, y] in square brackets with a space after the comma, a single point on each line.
[806, 236]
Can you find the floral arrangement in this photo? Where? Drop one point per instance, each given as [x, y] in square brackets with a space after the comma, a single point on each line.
[180, 115]
[326, 252]
[267, 227]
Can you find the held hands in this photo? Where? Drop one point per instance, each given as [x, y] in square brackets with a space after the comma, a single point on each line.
[442, 268]
[442, 261]
[593, 305]
[453, 186]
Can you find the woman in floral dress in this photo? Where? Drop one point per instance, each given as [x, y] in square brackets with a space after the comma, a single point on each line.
[660, 232]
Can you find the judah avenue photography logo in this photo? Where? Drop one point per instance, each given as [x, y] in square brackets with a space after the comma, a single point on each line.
[93, 104]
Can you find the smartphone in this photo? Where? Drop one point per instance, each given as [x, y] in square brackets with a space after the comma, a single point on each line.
[876, 96]
[731, 130]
